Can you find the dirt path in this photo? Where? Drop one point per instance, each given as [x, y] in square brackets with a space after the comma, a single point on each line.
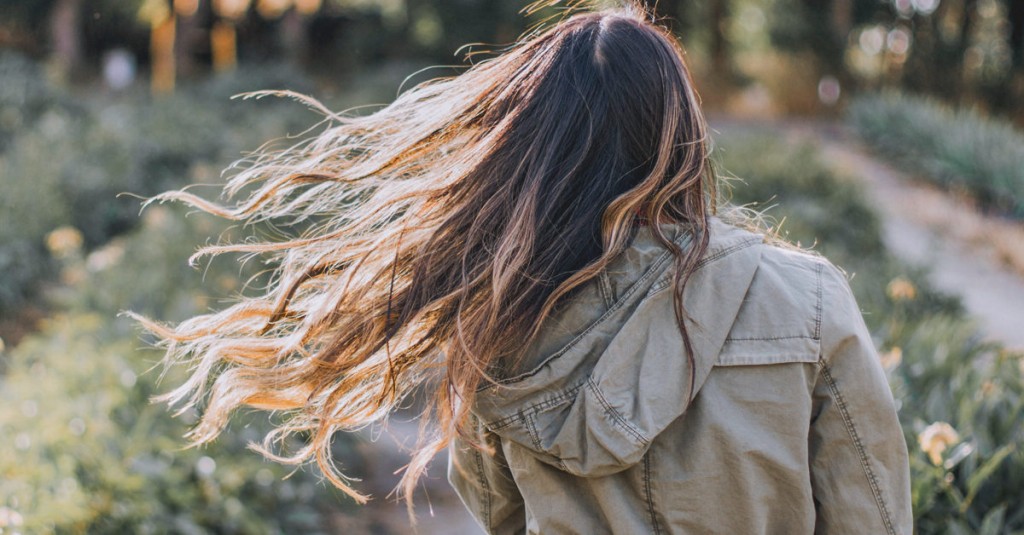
[977, 257]
[927, 227]
[438, 509]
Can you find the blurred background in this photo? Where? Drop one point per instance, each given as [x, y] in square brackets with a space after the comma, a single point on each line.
[885, 134]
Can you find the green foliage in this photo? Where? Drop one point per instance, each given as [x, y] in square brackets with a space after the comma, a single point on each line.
[88, 453]
[66, 165]
[818, 206]
[959, 150]
[948, 375]
[939, 368]
[24, 95]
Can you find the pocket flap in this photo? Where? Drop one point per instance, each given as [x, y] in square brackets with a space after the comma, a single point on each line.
[763, 351]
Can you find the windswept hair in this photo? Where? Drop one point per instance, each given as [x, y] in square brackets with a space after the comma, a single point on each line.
[439, 232]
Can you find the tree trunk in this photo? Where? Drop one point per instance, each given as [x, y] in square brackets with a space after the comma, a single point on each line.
[161, 55]
[842, 19]
[719, 41]
[189, 36]
[967, 87]
[294, 27]
[1015, 16]
[224, 45]
[66, 38]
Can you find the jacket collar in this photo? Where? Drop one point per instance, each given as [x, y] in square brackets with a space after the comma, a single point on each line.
[592, 405]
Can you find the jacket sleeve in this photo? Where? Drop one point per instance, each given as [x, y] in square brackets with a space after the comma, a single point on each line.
[859, 464]
[484, 483]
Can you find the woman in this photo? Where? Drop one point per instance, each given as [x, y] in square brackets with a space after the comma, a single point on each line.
[534, 243]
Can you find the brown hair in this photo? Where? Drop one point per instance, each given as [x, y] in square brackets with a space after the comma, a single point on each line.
[441, 230]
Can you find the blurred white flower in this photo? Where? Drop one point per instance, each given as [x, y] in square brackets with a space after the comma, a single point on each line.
[10, 518]
[105, 257]
[935, 439]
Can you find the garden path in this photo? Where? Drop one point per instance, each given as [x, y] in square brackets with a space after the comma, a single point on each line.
[977, 257]
[438, 509]
[927, 227]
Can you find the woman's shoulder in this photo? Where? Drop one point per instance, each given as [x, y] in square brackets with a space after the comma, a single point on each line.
[795, 293]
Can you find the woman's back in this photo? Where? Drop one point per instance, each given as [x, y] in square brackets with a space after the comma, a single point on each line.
[790, 428]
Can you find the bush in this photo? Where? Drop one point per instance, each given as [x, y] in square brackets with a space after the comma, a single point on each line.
[88, 453]
[24, 96]
[962, 402]
[827, 213]
[66, 166]
[956, 149]
[817, 208]
[953, 389]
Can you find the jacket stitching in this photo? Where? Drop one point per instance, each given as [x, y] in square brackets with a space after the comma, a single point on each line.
[616, 417]
[661, 285]
[479, 457]
[648, 495]
[771, 338]
[531, 426]
[534, 409]
[818, 305]
[534, 435]
[634, 288]
[605, 288]
[852, 430]
[766, 360]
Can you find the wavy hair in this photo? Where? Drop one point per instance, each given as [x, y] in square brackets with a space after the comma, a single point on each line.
[439, 232]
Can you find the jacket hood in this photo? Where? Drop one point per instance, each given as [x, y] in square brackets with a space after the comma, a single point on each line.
[609, 371]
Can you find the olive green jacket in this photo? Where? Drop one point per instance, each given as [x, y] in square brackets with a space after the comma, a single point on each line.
[792, 427]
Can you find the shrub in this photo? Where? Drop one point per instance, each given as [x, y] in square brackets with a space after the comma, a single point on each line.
[969, 481]
[817, 207]
[24, 96]
[88, 453]
[957, 149]
[66, 166]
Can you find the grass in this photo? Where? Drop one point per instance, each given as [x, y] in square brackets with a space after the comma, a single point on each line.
[960, 150]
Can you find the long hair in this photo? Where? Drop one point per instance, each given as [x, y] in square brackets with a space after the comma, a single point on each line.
[439, 232]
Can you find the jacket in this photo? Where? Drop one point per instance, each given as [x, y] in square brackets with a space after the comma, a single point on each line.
[791, 427]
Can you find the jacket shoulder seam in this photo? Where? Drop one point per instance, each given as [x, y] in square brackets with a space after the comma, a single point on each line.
[661, 285]
[872, 478]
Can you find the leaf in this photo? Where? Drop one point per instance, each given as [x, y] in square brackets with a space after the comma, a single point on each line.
[993, 523]
[958, 528]
[984, 472]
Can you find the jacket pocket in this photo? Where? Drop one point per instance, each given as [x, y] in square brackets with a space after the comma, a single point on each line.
[766, 351]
